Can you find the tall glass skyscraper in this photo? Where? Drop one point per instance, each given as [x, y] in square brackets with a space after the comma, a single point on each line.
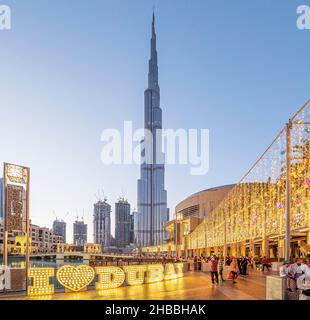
[152, 196]
[79, 233]
[59, 228]
[122, 223]
[102, 223]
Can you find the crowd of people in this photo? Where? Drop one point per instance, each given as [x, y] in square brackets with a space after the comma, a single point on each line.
[296, 275]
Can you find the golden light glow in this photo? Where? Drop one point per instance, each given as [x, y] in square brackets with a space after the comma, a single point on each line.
[135, 274]
[254, 210]
[109, 277]
[40, 281]
[19, 247]
[155, 273]
[255, 207]
[171, 271]
[16, 174]
[179, 269]
[75, 278]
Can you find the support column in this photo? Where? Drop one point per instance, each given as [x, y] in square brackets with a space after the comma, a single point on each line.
[252, 248]
[5, 249]
[234, 249]
[281, 249]
[28, 236]
[5, 225]
[288, 192]
[225, 239]
[209, 252]
[265, 247]
[242, 248]
[238, 247]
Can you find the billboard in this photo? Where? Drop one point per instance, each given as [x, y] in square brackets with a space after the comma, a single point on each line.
[16, 183]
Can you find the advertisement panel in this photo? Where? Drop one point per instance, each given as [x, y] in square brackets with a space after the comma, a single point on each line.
[16, 243]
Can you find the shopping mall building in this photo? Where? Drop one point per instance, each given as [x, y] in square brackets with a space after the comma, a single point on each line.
[189, 214]
[242, 219]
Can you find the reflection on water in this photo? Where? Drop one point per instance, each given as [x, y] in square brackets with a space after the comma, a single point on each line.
[20, 262]
[53, 263]
[15, 262]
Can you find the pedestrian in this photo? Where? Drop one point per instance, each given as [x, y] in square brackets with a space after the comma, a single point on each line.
[284, 274]
[251, 262]
[266, 264]
[228, 261]
[199, 264]
[244, 266]
[239, 264]
[213, 267]
[220, 267]
[295, 271]
[303, 282]
[234, 270]
[195, 263]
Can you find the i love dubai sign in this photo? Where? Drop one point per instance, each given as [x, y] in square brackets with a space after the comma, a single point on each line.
[78, 278]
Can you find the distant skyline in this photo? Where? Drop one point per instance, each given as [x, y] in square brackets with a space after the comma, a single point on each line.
[71, 69]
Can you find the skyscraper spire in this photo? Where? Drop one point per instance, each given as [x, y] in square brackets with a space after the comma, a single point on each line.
[153, 22]
[153, 66]
[152, 211]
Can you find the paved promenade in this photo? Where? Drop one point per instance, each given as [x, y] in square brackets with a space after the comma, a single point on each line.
[194, 286]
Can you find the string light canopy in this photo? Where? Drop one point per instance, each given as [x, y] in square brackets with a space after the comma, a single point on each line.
[256, 207]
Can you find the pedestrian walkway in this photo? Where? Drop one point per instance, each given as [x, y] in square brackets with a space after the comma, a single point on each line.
[194, 286]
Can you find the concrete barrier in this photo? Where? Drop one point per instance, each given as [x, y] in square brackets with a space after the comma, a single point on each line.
[274, 288]
[5, 278]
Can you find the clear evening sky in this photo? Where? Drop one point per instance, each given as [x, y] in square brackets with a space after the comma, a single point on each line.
[70, 69]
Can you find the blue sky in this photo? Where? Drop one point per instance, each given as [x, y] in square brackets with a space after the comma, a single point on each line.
[70, 69]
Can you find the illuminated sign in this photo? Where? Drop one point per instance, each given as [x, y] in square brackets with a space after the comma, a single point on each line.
[135, 274]
[109, 277]
[173, 271]
[40, 278]
[77, 278]
[16, 180]
[155, 273]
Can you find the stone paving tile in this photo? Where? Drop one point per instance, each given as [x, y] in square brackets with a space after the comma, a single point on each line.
[194, 286]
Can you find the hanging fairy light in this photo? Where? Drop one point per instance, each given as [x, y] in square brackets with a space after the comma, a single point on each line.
[255, 207]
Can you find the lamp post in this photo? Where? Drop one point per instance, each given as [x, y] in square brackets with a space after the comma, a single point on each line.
[288, 191]
[27, 227]
[225, 238]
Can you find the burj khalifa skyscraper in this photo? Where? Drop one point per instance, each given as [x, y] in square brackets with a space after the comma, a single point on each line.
[152, 213]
